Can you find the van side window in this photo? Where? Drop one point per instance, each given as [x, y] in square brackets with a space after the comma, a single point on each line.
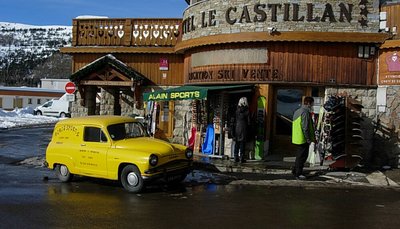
[48, 104]
[94, 134]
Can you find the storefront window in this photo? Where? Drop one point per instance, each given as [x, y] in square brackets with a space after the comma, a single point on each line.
[288, 101]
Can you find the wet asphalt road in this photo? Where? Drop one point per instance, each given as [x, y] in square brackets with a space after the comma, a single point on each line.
[29, 200]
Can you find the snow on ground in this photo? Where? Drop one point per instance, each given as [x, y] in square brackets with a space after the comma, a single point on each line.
[22, 117]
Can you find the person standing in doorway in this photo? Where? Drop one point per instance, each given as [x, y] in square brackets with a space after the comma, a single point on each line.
[302, 135]
[241, 126]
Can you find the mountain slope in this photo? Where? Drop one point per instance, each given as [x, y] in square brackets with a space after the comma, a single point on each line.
[24, 48]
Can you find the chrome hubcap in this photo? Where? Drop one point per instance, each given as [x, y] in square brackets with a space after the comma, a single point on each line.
[132, 179]
[64, 170]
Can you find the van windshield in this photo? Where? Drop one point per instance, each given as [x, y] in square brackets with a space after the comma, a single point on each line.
[126, 130]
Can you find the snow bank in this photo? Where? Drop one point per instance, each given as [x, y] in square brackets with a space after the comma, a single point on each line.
[22, 117]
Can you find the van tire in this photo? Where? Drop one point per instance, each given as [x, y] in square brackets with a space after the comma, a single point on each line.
[63, 173]
[38, 113]
[63, 115]
[131, 179]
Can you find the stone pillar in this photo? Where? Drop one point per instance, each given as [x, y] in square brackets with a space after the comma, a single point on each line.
[388, 130]
[77, 110]
[106, 102]
[128, 104]
[182, 121]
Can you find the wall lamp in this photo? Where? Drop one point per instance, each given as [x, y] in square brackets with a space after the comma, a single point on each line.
[365, 51]
[272, 30]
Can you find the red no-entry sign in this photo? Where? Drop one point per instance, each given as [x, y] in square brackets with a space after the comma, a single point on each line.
[70, 87]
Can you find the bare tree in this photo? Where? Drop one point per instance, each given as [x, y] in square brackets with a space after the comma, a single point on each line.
[57, 66]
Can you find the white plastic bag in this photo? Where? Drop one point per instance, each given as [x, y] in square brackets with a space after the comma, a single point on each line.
[311, 154]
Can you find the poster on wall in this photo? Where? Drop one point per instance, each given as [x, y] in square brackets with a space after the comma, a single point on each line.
[389, 69]
[163, 64]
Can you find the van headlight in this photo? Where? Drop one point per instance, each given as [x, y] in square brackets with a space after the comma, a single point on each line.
[153, 160]
[189, 153]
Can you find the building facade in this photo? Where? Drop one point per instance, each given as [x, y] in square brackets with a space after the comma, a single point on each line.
[21, 97]
[187, 75]
[387, 134]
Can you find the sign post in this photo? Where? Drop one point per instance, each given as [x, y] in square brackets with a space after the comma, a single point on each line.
[70, 90]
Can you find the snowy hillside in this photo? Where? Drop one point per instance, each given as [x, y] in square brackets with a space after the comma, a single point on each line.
[24, 47]
[38, 40]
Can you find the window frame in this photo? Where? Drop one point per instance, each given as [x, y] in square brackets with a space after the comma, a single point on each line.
[102, 137]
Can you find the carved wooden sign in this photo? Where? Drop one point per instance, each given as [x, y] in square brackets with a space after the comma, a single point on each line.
[389, 68]
[262, 73]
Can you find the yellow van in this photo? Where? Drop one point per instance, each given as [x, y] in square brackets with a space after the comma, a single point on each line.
[115, 148]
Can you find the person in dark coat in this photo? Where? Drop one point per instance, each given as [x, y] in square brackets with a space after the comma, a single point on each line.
[241, 127]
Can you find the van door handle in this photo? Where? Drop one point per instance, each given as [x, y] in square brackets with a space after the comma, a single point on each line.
[83, 144]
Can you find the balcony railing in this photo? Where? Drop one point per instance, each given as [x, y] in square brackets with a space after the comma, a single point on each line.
[126, 32]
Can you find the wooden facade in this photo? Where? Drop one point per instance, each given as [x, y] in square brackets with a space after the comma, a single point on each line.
[292, 63]
[147, 64]
[327, 58]
[282, 36]
[139, 43]
[389, 56]
[393, 18]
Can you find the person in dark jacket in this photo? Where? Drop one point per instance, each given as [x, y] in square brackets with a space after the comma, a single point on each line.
[241, 127]
[302, 135]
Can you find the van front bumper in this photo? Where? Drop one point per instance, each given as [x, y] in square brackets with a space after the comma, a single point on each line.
[169, 171]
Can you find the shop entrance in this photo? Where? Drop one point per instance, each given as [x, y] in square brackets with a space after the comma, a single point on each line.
[286, 102]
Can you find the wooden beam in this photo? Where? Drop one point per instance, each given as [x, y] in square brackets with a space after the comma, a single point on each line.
[106, 83]
[390, 44]
[283, 36]
[116, 49]
[119, 75]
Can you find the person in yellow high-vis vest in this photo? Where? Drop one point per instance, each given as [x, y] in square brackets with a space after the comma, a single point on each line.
[302, 135]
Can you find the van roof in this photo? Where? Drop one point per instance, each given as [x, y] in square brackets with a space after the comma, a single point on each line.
[103, 120]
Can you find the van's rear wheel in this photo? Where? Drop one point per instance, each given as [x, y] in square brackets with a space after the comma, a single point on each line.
[63, 115]
[63, 174]
[131, 179]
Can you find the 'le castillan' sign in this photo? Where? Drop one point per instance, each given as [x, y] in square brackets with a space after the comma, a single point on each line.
[338, 12]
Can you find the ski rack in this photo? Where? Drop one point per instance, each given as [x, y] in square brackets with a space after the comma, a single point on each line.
[353, 133]
[341, 133]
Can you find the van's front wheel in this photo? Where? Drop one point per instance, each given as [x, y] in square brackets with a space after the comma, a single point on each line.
[131, 179]
[38, 113]
[63, 174]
